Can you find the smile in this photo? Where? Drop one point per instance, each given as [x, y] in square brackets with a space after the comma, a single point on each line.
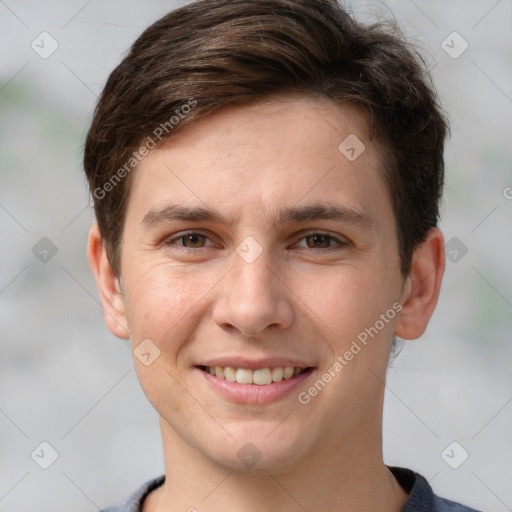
[259, 376]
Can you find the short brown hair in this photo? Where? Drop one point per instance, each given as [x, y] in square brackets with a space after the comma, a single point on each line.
[213, 53]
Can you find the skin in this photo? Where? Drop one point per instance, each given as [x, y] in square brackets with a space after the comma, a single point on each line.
[293, 300]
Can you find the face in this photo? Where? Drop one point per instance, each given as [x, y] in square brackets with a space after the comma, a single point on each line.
[252, 242]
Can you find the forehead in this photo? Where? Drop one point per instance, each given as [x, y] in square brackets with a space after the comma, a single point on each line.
[268, 155]
[284, 124]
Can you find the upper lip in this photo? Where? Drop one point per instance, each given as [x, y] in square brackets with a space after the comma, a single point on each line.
[254, 364]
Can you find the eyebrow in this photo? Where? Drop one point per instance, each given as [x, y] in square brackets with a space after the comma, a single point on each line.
[295, 214]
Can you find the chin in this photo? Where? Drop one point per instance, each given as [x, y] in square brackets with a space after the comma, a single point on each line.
[255, 452]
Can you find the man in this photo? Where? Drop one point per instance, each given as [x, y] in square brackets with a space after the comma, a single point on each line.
[266, 177]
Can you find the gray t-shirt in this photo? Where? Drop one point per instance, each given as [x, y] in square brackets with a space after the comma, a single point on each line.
[421, 497]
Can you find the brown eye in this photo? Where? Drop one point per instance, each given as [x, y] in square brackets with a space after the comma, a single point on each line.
[318, 241]
[189, 240]
[322, 241]
[193, 240]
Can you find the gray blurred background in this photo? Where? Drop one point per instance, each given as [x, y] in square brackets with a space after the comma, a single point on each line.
[66, 381]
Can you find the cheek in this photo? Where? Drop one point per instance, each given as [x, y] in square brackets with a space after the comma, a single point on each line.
[347, 302]
[166, 302]
[157, 297]
[163, 303]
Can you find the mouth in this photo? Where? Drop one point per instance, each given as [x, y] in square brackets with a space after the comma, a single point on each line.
[255, 380]
[258, 376]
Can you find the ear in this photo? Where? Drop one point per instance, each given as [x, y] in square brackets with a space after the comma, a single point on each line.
[422, 287]
[112, 300]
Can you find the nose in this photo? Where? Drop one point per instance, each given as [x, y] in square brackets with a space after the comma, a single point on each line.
[253, 297]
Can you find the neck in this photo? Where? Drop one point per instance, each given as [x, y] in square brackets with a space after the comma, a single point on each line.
[350, 477]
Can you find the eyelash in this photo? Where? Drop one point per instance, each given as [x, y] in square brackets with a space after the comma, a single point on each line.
[340, 243]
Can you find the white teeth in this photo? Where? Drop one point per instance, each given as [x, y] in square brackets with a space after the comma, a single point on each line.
[229, 374]
[288, 372]
[261, 376]
[277, 374]
[243, 376]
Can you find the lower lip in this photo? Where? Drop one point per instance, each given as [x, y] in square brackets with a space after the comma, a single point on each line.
[254, 393]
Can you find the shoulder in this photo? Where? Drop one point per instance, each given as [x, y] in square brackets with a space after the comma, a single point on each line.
[421, 496]
[444, 505]
[135, 500]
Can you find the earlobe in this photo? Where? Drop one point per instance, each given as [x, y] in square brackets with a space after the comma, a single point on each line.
[422, 287]
[111, 297]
